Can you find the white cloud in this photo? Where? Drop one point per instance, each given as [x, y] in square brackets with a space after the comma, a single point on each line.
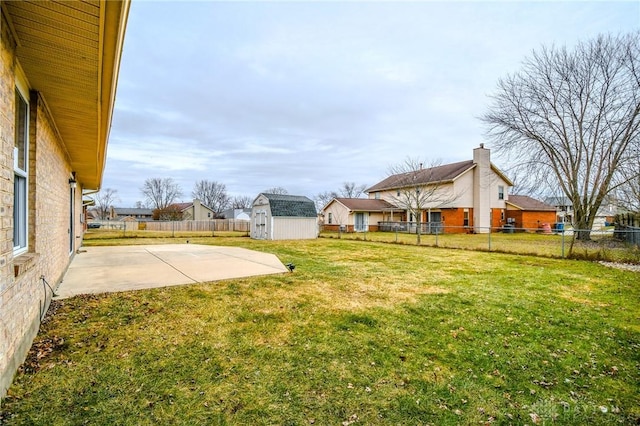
[307, 95]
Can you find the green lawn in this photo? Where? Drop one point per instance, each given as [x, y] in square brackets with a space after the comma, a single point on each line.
[361, 333]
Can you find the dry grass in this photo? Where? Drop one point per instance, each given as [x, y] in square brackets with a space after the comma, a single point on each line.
[360, 333]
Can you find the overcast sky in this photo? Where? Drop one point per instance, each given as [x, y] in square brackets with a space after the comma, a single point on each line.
[308, 95]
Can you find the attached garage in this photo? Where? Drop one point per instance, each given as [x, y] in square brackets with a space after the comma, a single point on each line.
[283, 217]
[529, 213]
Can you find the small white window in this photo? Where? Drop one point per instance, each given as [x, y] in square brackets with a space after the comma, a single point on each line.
[500, 192]
[330, 218]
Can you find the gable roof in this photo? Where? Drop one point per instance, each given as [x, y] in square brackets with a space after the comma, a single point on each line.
[524, 202]
[365, 204]
[181, 206]
[291, 205]
[431, 175]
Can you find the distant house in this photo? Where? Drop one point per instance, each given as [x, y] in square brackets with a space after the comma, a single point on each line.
[357, 214]
[283, 217]
[529, 213]
[121, 213]
[471, 195]
[564, 208]
[565, 211]
[195, 210]
[239, 214]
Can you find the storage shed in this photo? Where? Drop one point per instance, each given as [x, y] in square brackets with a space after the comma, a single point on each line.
[283, 217]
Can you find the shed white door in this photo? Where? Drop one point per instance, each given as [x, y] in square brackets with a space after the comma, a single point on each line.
[260, 222]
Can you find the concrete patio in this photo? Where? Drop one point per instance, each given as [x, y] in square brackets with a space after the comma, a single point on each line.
[122, 268]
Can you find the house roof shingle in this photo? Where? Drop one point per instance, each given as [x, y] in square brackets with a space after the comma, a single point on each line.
[365, 204]
[291, 205]
[125, 211]
[444, 173]
[182, 206]
[525, 202]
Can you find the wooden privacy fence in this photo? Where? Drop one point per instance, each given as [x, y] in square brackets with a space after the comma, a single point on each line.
[199, 225]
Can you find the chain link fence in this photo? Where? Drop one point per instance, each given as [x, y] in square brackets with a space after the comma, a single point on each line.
[606, 244]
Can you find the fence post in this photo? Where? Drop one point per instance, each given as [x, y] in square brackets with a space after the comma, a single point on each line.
[563, 242]
[173, 229]
[489, 238]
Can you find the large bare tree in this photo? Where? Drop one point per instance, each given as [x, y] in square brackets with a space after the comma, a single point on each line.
[323, 198]
[573, 117]
[241, 202]
[104, 201]
[418, 189]
[351, 190]
[276, 190]
[213, 194]
[161, 192]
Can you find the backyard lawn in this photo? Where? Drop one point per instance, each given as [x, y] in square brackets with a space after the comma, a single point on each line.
[360, 333]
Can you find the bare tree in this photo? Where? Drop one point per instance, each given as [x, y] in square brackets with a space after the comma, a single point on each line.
[276, 190]
[351, 190]
[418, 189]
[347, 190]
[213, 194]
[161, 192]
[241, 202]
[104, 201]
[629, 196]
[323, 198]
[172, 212]
[574, 116]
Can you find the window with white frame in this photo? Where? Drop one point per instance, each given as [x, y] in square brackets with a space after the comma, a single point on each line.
[20, 173]
[500, 192]
[330, 218]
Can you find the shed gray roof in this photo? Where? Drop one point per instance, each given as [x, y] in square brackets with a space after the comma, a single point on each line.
[291, 205]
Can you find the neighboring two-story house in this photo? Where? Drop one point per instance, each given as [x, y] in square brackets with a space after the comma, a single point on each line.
[468, 196]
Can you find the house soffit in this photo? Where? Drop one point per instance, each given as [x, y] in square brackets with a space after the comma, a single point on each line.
[70, 53]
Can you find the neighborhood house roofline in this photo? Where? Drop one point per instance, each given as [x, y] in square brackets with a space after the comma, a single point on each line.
[365, 204]
[524, 202]
[431, 176]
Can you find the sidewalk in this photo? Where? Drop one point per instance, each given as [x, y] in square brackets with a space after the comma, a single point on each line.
[122, 268]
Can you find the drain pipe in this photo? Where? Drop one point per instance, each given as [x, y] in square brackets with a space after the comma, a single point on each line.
[45, 305]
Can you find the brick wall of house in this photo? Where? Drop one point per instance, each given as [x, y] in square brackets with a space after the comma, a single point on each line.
[454, 220]
[496, 218]
[24, 297]
[532, 219]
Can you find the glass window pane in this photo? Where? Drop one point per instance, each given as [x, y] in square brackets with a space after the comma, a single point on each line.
[22, 132]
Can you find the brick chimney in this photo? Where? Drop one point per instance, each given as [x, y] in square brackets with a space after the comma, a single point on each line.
[482, 189]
